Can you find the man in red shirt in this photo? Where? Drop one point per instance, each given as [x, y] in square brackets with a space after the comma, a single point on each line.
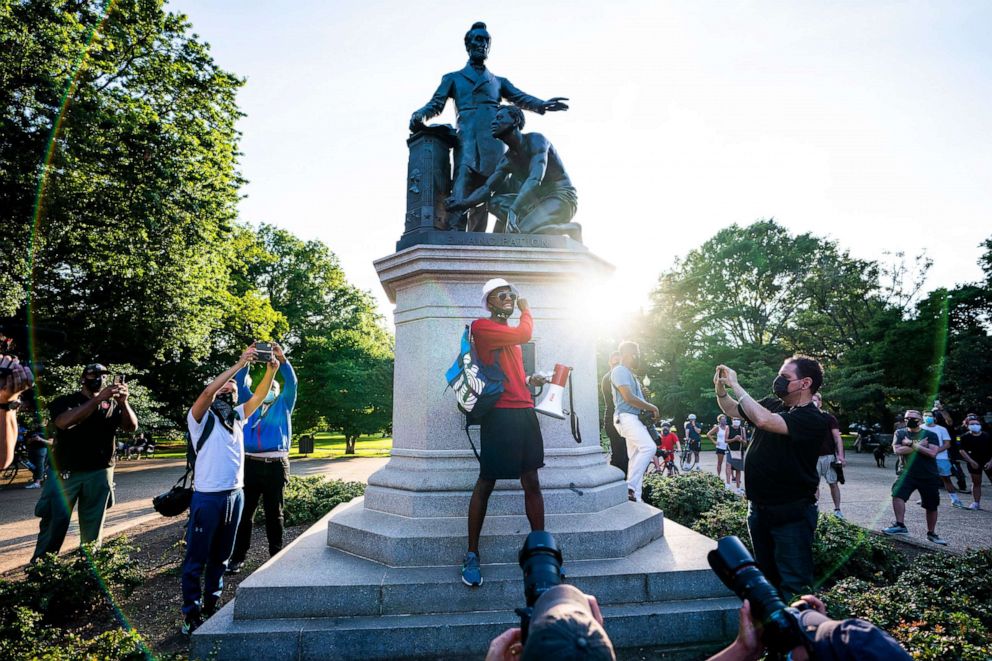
[512, 446]
[667, 443]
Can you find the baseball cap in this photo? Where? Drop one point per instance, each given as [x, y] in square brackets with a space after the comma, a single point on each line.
[490, 287]
[95, 368]
[562, 627]
[848, 640]
[692, 416]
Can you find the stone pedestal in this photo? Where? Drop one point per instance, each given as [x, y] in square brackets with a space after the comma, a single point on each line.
[383, 581]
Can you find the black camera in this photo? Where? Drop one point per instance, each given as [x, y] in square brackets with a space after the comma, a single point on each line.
[780, 627]
[540, 559]
[648, 421]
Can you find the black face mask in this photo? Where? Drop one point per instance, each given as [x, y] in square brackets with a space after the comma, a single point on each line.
[912, 423]
[780, 386]
[94, 384]
[227, 398]
[223, 407]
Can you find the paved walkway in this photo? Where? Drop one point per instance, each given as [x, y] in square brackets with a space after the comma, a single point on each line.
[137, 482]
[866, 500]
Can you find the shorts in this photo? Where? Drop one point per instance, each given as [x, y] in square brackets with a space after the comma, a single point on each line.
[929, 490]
[825, 470]
[721, 451]
[944, 467]
[511, 444]
[694, 445]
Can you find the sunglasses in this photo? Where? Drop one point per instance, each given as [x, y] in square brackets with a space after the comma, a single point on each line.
[506, 296]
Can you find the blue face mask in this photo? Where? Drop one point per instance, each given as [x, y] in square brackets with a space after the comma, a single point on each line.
[271, 397]
[929, 419]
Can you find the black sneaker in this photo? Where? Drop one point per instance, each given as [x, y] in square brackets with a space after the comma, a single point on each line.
[936, 539]
[208, 611]
[896, 529]
[234, 568]
[191, 622]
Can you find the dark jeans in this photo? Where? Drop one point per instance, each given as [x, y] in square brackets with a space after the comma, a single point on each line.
[618, 446]
[213, 521]
[265, 481]
[782, 537]
[38, 456]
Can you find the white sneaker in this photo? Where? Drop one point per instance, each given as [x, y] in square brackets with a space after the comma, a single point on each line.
[975, 506]
[33, 485]
[839, 514]
[956, 502]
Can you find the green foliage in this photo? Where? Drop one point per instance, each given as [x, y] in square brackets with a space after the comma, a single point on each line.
[938, 608]
[842, 549]
[309, 498]
[24, 636]
[726, 518]
[685, 497]
[64, 587]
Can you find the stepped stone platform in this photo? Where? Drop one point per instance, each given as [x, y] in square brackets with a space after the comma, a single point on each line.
[313, 601]
[378, 578]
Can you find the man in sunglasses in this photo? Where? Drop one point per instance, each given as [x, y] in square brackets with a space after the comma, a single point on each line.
[512, 445]
[780, 468]
[919, 448]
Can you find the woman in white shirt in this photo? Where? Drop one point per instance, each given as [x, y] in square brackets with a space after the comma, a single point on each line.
[719, 435]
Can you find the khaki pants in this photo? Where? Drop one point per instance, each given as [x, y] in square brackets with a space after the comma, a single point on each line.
[92, 490]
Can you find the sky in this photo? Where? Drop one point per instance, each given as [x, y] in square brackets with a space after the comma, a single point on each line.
[867, 122]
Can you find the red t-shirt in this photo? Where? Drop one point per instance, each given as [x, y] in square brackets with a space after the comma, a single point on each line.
[668, 442]
[489, 336]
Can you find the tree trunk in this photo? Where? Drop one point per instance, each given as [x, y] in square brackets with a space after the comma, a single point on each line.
[349, 443]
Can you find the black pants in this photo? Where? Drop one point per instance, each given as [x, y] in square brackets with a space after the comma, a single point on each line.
[266, 480]
[618, 446]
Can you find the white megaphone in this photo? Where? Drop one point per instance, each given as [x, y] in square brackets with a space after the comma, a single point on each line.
[551, 404]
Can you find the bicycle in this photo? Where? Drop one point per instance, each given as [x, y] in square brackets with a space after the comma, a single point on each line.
[686, 460]
[20, 461]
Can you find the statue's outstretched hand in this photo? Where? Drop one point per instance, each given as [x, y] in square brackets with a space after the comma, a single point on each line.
[551, 105]
[453, 205]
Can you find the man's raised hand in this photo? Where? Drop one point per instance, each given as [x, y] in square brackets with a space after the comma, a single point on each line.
[17, 381]
[248, 356]
[278, 353]
[556, 103]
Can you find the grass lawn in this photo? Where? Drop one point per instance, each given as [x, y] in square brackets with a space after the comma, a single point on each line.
[325, 445]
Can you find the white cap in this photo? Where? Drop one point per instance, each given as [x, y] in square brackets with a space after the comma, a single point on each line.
[692, 416]
[489, 287]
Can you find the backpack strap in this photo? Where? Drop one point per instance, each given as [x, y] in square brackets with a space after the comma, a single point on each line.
[208, 427]
[471, 442]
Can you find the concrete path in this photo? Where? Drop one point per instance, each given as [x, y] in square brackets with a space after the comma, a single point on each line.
[866, 501]
[137, 482]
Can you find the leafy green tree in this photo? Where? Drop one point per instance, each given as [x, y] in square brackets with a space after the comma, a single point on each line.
[348, 379]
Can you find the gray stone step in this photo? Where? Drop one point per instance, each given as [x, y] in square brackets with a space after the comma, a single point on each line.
[671, 624]
[400, 541]
[309, 579]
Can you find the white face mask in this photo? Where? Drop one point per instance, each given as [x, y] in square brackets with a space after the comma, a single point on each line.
[975, 428]
[737, 423]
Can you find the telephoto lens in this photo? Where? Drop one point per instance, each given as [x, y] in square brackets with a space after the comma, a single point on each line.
[540, 558]
[780, 630]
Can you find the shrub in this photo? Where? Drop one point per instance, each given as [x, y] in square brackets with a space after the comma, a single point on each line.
[309, 498]
[64, 587]
[842, 550]
[728, 518]
[684, 497]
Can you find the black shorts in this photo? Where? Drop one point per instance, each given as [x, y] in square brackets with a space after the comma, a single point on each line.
[694, 446]
[511, 444]
[721, 451]
[929, 490]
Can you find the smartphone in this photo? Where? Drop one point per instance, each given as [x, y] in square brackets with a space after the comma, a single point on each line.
[119, 379]
[263, 351]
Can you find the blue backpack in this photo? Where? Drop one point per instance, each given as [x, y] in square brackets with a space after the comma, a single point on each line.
[477, 387]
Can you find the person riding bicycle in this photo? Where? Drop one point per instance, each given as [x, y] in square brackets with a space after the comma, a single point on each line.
[668, 445]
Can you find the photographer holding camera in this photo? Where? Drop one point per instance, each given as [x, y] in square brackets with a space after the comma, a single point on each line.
[216, 426]
[629, 402]
[82, 467]
[268, 435]
[802, 631]
[780, 468]
[14, 379]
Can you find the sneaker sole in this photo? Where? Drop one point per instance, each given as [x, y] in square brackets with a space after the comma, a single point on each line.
[901, 532]
[471, 585]
[940, 543]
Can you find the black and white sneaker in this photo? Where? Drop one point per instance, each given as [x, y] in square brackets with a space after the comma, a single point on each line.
[234, 568]
[896, 529]
[936, 539]
[191, 622]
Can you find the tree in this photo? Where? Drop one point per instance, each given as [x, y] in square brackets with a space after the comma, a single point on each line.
[348, 378]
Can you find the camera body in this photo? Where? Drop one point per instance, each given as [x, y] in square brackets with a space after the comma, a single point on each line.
[781, 630]
[263, 351]
[540, 560]
[648, 421]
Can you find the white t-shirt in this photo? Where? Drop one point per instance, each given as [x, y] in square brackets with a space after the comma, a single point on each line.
[942, 436]
[220, 465]
[721, 438]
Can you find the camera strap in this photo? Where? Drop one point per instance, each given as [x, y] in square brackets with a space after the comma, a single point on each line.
[572, 417]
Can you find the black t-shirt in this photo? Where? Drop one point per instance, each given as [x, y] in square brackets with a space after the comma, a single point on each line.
[88, 445]
[917, 463]
[782, 469]
[607, 387]
[735, 436]
[829, 446]
[979, 447]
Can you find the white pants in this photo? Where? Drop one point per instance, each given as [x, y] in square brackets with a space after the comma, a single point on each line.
[640, 450]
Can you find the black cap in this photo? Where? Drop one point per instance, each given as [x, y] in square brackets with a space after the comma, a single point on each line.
[849, 640]
[562, 626]
[95, 368]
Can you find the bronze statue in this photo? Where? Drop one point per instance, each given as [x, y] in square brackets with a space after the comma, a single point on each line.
[477, 93]
[542, 199]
